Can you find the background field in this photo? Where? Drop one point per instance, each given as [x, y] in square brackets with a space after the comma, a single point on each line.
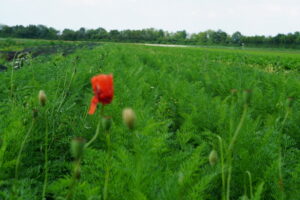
[184, 98]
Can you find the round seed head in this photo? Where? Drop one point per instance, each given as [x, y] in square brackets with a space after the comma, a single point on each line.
[129, 117]
[233, 91]
[77, 147]
[247, 96]
[42, 97]
[213, 157]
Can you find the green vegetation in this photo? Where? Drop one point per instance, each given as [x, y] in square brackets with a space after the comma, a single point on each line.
[8, 44]
[151, 35]
[210, 124]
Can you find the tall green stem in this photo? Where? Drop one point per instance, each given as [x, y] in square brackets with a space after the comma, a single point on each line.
[11, 82]
[222, 167]
[19, 155]
[107, 171]
[95, 136]
[230, 148]
[97, 129]
[21, 150]
[46, 158]
[280, 155]
[237, 131]
[75, 177]
[228, 181]
[66, 89]
[250, 184]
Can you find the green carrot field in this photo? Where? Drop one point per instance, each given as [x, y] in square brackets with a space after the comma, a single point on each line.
[211, 123]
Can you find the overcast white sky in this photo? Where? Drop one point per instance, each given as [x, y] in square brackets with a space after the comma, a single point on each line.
[251, 17]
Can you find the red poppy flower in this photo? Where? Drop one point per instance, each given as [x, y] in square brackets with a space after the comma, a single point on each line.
[103, 86]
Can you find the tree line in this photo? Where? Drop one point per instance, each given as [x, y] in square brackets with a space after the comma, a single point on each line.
[151, 35]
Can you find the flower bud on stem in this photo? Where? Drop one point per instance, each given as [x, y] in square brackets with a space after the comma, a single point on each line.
[213, 157]
[42, 97]
[129, 118]
[77, 147]
[77, 150]
[247, 96]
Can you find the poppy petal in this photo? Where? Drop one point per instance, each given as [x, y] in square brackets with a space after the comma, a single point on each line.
[93, 105]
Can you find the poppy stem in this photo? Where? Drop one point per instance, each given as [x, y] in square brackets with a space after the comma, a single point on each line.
[75, 179]
[230, 148]
[95, 136]
[97, 130]
[108, 166]
[102, 110]
[46, 159]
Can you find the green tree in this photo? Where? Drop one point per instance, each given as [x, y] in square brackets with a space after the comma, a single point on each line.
[236, 38]
[68, 34]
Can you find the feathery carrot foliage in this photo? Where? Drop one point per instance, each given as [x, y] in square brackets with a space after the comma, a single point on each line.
[185, 107]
